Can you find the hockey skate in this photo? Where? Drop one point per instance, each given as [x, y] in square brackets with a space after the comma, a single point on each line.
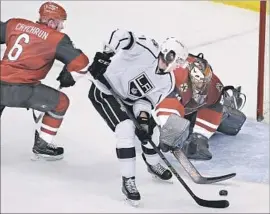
[46, 151]
[130, 191]
[158, 171]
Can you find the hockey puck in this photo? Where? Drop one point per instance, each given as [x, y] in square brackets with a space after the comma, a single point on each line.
[223, 192]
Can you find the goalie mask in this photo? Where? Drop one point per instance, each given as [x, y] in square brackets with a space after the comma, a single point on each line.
[200, 74]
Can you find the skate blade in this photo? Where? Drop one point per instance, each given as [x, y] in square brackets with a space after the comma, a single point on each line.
[43, 157]
[133, 203]
[158, 179]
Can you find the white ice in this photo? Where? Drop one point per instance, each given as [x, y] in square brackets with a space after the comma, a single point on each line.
[88, 179]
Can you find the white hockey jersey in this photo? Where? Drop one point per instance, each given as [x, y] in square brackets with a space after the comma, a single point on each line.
[132, 71]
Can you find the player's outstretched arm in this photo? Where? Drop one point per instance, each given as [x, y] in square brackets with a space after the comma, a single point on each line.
[75, 61]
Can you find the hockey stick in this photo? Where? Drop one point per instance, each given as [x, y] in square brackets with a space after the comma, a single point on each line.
[199, 201]
[193, 172]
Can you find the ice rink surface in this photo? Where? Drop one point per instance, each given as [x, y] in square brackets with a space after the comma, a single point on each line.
[88, 178]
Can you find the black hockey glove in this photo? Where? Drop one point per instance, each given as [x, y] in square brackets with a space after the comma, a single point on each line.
[145, 133]
[65, 78]
[99, 65]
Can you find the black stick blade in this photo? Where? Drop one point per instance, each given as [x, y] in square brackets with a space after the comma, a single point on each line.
[212, 204]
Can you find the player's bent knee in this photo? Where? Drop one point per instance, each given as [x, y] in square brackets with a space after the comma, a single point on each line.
[175, 131]
[63, 103]
[125, 134]
[125, 129]
[232, 122]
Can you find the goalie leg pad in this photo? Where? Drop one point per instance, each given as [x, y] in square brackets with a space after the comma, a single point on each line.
[197, 148]
[232, 121]
[175, 131]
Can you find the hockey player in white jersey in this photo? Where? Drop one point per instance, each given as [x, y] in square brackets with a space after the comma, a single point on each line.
[139, 71]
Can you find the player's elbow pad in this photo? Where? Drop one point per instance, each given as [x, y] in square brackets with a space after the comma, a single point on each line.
[78, 66]
[79, 63]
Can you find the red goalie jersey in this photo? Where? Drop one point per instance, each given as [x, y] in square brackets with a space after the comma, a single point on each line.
[197, 91]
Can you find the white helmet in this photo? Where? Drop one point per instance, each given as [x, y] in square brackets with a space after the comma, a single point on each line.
[173, 53]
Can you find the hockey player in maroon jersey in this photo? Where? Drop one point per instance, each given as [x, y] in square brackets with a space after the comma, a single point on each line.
[31, 49]
[200, 98]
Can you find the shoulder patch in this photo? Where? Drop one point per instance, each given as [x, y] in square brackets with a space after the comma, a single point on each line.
[183, 87]
[219, 87]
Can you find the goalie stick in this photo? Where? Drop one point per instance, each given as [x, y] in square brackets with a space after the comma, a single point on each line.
[193, 172]
[190, 168]
[199, 201]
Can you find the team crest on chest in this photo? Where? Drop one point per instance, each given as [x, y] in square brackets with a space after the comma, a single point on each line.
[140, 85]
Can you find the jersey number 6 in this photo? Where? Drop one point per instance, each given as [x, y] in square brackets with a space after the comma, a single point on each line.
[17, 47]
